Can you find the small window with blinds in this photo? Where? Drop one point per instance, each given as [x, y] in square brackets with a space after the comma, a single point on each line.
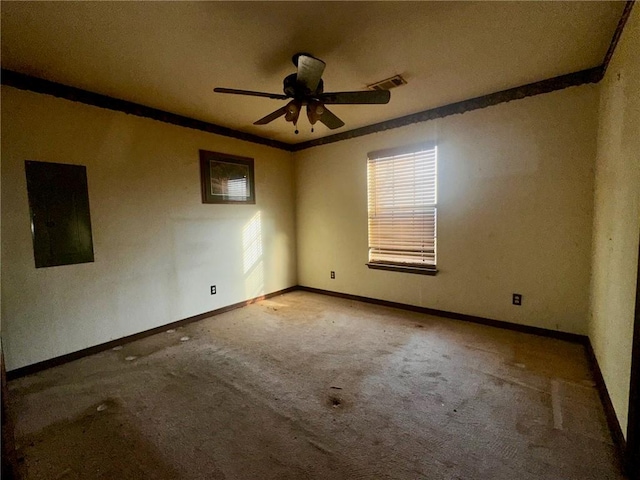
[402, 192]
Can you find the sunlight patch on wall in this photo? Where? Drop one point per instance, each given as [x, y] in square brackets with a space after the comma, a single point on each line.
[252, 257]
[252, 242]
[254, 281]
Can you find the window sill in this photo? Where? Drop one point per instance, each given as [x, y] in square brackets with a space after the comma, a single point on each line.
[404, 268]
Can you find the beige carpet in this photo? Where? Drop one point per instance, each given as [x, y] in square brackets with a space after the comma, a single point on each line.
[305, 386]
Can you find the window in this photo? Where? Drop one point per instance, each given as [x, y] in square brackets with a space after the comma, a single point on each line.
[226, 178]
[402, 191]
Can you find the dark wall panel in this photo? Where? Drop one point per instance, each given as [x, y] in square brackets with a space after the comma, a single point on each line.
[60, 219]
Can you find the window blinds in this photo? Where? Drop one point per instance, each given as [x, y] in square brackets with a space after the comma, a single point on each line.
[402, 204]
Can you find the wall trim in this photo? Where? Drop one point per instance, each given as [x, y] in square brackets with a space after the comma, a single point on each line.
[626, 12]
[591, 75]
[10, 468]
[40, 85]
[633, 423]
[609, 411]
[47, 87]
[612, 419]
[69, 357]
[603, 393]
[544, 332]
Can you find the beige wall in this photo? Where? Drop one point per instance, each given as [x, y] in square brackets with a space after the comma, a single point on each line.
[157, 247]
[515, 212]
[617, 217]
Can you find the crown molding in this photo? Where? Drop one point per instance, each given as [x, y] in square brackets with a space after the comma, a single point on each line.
[592, 75]
[40, 85]
[617, 34]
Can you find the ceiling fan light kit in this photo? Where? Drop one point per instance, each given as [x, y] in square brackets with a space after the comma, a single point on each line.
[305, 88]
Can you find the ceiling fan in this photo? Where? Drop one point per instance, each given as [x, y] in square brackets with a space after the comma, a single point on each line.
[306, 88]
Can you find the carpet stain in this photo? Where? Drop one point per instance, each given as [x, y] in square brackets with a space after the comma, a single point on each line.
[100, 443]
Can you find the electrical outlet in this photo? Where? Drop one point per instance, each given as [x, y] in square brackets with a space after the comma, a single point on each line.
[213, 289]
[333, 274]
[517, 299]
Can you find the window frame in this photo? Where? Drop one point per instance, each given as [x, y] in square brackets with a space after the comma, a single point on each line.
[405, 267]
[207, 159]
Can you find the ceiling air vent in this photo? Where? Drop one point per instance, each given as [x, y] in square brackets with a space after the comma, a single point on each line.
[388, 83]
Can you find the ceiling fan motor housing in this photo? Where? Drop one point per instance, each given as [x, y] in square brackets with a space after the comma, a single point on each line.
[294, 89]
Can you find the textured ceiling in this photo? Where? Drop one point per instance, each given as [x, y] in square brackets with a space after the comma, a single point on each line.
[170, 55]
